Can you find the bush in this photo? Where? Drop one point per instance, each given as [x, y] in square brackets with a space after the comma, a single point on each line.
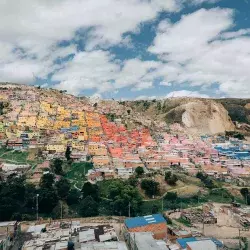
[151, 187]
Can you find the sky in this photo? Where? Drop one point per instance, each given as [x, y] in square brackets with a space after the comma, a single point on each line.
[128, 49]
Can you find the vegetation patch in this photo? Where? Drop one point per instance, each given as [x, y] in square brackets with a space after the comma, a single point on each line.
[77, 173]
[175, 116]
[184, 222]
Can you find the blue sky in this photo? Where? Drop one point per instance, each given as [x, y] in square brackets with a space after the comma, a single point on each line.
[128, 49]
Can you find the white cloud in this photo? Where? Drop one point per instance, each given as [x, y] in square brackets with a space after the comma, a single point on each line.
[98, 70]
[88, 70]
[242, 32]
[186, 93]
[193, 53]
[197, 2]
[142, 85]
[36, 27]
[179, 93]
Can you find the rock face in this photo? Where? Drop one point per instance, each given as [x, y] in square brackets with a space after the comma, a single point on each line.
[247, 106]
[203, 116]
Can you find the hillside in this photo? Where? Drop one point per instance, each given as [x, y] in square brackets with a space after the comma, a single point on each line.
[195, 115]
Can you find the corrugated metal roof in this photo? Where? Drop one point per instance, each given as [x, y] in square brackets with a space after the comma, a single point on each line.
[144, 220]
[204, 245]
[183, 242]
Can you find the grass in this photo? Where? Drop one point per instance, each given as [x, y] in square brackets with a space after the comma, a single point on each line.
[77, 173]
[13, 156]
[17, 157]
[184, 222]
[187, 202]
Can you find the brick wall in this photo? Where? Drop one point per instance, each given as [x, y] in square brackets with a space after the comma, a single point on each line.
[159, 230]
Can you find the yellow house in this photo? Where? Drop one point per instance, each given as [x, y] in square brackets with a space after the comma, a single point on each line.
[101, 160]
[97, 149]
[77, 145]
[59, 148]
[10, 135]
[95, 131]
[2, 128]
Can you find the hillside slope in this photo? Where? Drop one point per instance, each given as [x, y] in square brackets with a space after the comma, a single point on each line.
[197, 116]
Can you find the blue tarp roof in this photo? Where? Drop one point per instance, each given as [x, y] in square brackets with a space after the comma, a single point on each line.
[183, 242]
[144, 220]
[217, 242]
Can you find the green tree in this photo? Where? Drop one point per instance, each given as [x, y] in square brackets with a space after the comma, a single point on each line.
[151, 187]
[132, 181]
[244, 192]
[172, 180]
[68, 153]
[60, 210]
[63, 187]
[73, 197]
[139, 171]
[89, 189]
[88, 207]
[57, 166]
[47, 181]
[155, 209]
[122, 196]
[171, 196]
[47, 199]
[168, 175]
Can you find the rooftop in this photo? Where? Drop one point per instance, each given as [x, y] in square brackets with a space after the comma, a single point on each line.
[202, 245]
[145, 220]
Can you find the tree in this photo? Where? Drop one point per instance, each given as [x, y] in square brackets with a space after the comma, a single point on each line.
[57, 166]
[47, 199]
[168, 175]
[172, 180]
[60, 210]
[121, 197]
[73, 197]
[88, 207]
[139, 171]
[171, 196]
[244, 192]
[47, 181]
[63, 187]
[155, 209]
[132, 181]
[89, 189]
[151, 187]
[68, 153]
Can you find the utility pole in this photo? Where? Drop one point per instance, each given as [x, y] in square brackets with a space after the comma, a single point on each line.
[61, 210]
[203, 221]
[129, 210]
[37, 206]
[162, 205]
[242, 230]
[134, 242]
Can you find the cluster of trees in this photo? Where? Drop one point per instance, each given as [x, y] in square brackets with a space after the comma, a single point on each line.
[207, 181]
[235, 134]
[150, 187]
[116, 197]
[246, 195]
[18, 198]
[139, 171]
[171, 178]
